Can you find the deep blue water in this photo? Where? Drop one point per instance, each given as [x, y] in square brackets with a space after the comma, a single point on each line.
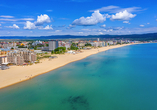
[118, 79]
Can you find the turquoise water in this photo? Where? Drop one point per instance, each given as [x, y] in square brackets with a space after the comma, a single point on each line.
[118, 79]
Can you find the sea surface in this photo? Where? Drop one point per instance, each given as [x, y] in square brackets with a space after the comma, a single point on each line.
[119, 79]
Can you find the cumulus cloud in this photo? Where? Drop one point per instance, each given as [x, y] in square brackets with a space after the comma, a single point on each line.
[48, 27]
[125, 15]
[42, 19]
[38, 24]
[13, 27]
[103, 26]
[141, 25]
[92, 20]
[29, 25]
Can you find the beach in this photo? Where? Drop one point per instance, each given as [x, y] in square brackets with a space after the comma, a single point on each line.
[18, 74]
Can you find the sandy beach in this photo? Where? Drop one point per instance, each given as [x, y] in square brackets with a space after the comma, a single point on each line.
[18, 74]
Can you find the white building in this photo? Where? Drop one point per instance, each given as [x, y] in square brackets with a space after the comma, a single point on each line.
[36, 43]
[110, 42]
[3, 60]
[53, 44]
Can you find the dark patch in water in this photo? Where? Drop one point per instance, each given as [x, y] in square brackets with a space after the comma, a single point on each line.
[77, 102]
[85, 64]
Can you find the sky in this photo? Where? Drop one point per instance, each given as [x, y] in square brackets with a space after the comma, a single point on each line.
[77, 17]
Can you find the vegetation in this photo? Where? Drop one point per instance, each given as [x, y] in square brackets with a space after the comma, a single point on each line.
[52, 52]
[118, 43]
[88, 44]
[35, 47]
[19, 46]
[59, 50]
[47, 45]
[73, 46]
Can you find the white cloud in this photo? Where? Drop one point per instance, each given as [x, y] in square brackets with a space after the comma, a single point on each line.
[13, 27]
[26, 19]
[0, 25]
[100, 33]
[6, 16]
[58, 30]
[3, 19]
[48, 27]
[148, 23]
[29, 25]
[92, 20]
[125, 15]
[103, 25]
[141, 25]
[42, 19]
[116, 9]
[106, 9]
[127, 22]
[80, 32]
[21, 19]
[71, 26]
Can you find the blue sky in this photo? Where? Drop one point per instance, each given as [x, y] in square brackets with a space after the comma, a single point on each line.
[77, 17]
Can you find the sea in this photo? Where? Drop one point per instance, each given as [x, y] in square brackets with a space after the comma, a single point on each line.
[118, 79]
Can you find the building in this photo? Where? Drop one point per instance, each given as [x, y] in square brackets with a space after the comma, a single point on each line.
[19, 57]
[37, 42]
[81, 44]
[3, 60]
[67, 45]
[53, 44]
[106, 44]
[97, 39]
[110, 42]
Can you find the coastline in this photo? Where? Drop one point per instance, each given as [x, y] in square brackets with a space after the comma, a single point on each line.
[17, 74]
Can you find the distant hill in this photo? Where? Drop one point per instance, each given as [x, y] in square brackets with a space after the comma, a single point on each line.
[149, 36]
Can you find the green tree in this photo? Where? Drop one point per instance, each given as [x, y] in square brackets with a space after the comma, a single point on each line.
[60, 50]
[88, 44]
[52, 52]
[47, 45]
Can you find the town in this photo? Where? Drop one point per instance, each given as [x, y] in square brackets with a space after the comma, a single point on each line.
[23, 53]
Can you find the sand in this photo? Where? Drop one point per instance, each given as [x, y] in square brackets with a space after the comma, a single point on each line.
[18, 74]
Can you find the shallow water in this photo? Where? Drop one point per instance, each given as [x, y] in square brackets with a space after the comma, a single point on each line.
[118, 79]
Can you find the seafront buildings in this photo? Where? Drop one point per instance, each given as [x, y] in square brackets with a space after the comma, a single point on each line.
[25, 52]
[19, 57]
[53, 44]
[3, 60]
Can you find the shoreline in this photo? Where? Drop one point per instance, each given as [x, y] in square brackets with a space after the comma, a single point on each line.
[17, 74]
